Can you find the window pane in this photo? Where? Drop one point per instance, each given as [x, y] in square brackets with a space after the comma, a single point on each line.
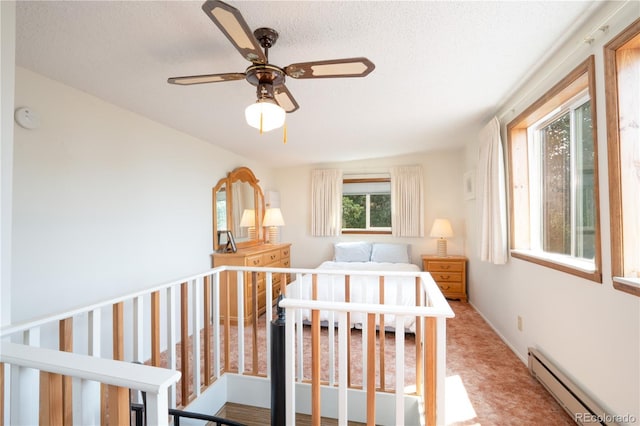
[354, 214]
[585, 200]
[556, 186]
[380, 213]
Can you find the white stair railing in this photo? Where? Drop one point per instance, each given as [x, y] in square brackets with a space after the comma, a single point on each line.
[147, 326]
[88, 370]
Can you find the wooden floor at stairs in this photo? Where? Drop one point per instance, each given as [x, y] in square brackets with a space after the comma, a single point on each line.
[254, 416]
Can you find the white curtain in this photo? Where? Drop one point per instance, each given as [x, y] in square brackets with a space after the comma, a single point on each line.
[407, 205]
[326, 202]
[491, 196]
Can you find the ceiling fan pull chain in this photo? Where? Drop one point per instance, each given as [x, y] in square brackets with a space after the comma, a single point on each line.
[260, 122]
[284, 133]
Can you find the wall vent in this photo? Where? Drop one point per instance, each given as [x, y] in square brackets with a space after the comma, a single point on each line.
[582, 409]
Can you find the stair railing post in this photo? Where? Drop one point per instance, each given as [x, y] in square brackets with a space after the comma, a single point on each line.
[278, 395]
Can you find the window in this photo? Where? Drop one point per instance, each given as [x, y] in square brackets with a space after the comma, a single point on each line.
[366, 205]
[553, 165]
[622, 85]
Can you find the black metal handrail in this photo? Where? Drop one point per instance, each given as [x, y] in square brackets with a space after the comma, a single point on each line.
[138, 410]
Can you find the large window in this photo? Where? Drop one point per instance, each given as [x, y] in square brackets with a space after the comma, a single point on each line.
[622, 85]
[553, 164]
[562, 152]
[366, 205]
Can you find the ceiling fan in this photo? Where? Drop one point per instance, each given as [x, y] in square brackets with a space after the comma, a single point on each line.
[268, 78]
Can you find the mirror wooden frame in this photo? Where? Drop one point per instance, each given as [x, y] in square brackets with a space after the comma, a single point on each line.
[240, 174]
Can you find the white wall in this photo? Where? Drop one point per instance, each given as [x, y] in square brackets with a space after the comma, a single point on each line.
[443, 194]
[590, 330]
[7, 77]
[106, 202]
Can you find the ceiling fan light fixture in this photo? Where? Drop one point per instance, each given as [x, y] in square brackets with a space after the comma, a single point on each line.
[265, 115]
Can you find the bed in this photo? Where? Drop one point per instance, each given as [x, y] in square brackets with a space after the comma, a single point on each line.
[389, 259]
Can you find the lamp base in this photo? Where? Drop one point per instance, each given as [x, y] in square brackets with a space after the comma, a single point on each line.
[442, 247]
[273, 235]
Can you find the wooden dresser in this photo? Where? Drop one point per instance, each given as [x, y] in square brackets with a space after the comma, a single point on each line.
[450, 273]
[263, 255]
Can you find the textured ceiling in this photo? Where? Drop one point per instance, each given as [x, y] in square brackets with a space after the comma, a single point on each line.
[442, 68]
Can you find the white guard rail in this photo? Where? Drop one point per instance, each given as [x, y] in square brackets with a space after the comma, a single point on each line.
[150, 324]
[89, 370]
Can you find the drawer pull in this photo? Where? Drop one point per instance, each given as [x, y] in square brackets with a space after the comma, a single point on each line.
[256, 261]
[273, 256]
[444, 287]
[444, 277]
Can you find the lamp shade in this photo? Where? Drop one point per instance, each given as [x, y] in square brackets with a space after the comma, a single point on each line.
[248, 218]
[273, 217]
[441, 229]
[265, 115]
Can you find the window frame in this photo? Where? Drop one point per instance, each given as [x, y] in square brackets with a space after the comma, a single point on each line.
[580, 78]
[613, 149]
[379, 231]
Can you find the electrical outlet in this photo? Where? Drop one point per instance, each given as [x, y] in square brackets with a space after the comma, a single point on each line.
[519, 323]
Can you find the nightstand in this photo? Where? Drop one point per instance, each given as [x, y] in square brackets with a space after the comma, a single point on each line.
[450, 273]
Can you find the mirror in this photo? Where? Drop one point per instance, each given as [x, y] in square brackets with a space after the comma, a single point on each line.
[238, 206]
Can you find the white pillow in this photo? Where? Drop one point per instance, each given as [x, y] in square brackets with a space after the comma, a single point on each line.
[352, 252]
[390, 252]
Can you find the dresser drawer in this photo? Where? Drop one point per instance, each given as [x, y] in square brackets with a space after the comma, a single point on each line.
[435, 266]
[254, 260]
[285, 252]
[285, 263]
[447, 276]
[453, 287]
[271, 257]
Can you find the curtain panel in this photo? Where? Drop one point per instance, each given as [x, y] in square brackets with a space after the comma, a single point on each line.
[326, 202]
[491, 196]
[407, 201]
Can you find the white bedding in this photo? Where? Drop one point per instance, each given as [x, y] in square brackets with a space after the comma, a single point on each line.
[398, 290]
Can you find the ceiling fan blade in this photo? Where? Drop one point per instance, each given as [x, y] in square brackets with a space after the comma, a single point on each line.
[232, 24]
[285, 99]
[206, 78]
[351, 67]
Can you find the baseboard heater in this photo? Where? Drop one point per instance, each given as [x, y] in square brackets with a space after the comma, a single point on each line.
[582, 409]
